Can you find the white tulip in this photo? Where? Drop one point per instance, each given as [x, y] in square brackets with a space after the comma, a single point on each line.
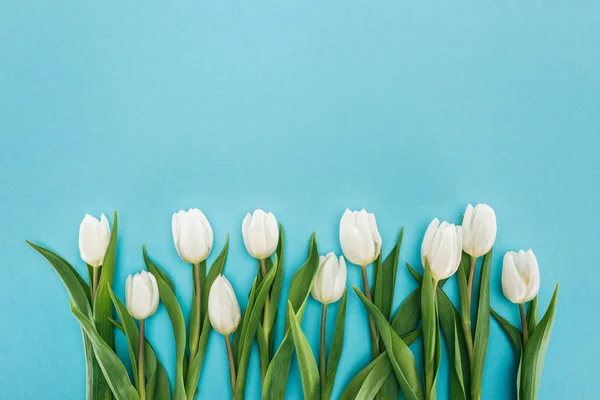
[94, 237]
[520, 276]
[141, 295]
[330, 281]
[260, 233]
[359, 237]
[479, 230]
[192, 235]
[223, 308]
[442, 245]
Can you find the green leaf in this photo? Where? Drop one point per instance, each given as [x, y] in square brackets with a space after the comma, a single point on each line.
[512, 333]
[403, 361]
[76, 287]
[431, 332]
[103, 308]
[277, 283]
[369, 381]
[176, 316]
[238, 342]
[385, 279]
[79, 291]
[277, 374]
[266, 334]
[194, 369]
[449, 317]
[309, 372]
[114, 371]
[419, 278]
[482, 330]
[408, 316]
[449, 320]
[154, 370]
[131, 332]
[535, 353]
[249, 331]
[371, 378]
[532, 316]
[335, 352]
[195, 321]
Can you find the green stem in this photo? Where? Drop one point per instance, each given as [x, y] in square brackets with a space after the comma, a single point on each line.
[524, 324]
[374, 335]
[195, 336]
[323, 350]
[141, 380]
[467, 312]
[266, 316]
[232, 376]
[95, 278]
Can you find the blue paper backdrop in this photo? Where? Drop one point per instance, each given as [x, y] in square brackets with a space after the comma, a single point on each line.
[304, 109]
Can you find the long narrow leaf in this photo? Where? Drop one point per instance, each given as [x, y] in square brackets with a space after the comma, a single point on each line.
[192, 374]
[176, 316]
[403, 361]
[512, 334]
[535, 353]
[369, 380]
[275, 381]
[249, 332]
[482, 329]
[114, 371]
[532, 316]
[335, 352]
[430, 334]
[306, 359]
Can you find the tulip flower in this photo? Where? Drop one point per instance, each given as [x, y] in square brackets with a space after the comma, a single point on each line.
[479, 230]
[520, 276]
[330, 280]
[224, 314]
[520, 281]
[328, 287]
[479, 235]
[141, 295]
[359, 237]
[192, 235]
[442, 246]
[361, 245]
[260, 233]
[94, 237]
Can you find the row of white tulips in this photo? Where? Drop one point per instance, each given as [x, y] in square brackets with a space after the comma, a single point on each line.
[360, 242]
[441, 252]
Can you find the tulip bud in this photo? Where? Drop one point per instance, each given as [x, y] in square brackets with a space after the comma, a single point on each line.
[141, 295]
[359, 237]
[442, 245]
[192, 235]
[260, 233]
[520, 276]
[223, 308]
[479, 230]
[94, 237]
[330, 281]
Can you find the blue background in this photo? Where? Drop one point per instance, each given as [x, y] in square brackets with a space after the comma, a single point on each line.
[302, 108]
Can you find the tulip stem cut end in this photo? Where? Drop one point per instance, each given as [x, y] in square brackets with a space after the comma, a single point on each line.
[323, 349]
[141, 382]
[374, 335]
[524, 324]
[232, 376]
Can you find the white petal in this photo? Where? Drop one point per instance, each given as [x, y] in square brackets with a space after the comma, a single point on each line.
[513, 285]
[428, 238]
